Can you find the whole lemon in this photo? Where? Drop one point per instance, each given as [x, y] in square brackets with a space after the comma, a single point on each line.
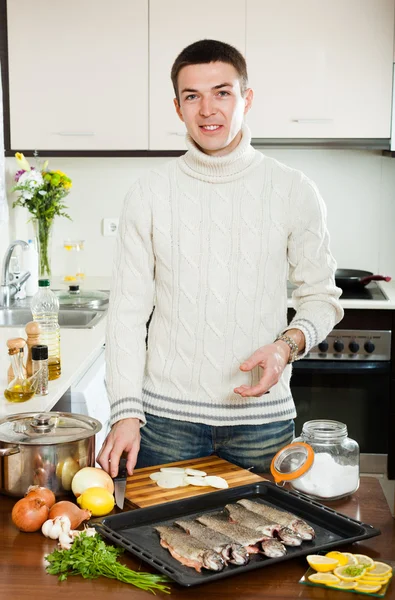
[98, 500]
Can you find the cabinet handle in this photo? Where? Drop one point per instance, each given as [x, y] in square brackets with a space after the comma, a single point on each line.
[176, 133]
[313, 121]
[75, 133]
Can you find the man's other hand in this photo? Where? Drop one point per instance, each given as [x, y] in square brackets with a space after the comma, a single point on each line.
[123, 437]
[272, 358]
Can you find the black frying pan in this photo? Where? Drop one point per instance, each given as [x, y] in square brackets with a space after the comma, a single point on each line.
[354, 279]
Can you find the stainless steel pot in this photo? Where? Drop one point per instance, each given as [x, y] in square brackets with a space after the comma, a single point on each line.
[45, 449]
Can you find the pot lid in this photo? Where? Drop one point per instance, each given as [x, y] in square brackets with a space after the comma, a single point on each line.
[292, 461]
[47, 428]
[74, 296]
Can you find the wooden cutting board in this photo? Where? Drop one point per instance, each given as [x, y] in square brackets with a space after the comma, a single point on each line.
[141, 491]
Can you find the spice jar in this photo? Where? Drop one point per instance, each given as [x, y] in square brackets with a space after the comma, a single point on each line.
[322, 463]
[40, 369]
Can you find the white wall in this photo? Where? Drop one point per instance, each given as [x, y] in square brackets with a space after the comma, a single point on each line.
[358, 187]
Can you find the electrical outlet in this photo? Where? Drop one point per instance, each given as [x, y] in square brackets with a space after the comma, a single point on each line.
[110, 226]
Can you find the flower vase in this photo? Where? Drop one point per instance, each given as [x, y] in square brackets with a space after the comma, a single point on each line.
[43, 234]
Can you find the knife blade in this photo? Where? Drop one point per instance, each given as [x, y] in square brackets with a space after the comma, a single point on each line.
[120, 483]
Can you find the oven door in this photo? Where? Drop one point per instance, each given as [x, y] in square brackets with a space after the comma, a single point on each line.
[356, 393]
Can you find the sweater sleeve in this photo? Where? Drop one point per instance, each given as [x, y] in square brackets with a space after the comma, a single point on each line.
[312, 268]
[131, 303]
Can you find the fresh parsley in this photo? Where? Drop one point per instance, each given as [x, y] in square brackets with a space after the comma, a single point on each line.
[92, 558]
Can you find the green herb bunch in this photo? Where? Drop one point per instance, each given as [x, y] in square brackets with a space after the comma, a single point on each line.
[92, 558]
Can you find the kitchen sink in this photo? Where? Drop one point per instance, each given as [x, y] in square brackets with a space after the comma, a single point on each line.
[68, 319]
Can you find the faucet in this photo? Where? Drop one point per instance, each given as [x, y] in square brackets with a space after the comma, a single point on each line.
[8, 289]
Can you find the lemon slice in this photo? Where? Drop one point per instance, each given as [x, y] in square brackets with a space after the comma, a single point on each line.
[326, 578]
[364, 560]
[367, 589]
[344, 585]
[374, 580]
[322, 564]
[380, 568]
[339, 556]
[350, 572]
[351, 558]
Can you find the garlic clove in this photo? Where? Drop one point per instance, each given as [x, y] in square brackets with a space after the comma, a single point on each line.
[65, 541]
[46, 527]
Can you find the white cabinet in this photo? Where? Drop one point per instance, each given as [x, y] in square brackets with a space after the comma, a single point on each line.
[175, 24]
[320, 69]
[78, 74]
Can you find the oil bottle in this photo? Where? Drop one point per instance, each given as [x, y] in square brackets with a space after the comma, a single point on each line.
[21, 388]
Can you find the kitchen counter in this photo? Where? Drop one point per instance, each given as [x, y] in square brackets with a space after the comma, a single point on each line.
[386, 304]
[23, 572]
[79, 348]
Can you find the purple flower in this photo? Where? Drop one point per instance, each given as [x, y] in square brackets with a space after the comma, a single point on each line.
[19, 173]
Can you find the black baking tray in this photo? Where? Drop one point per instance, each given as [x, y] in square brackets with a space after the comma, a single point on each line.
[134, 530]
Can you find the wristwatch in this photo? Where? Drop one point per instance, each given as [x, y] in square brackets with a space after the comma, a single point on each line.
[292, 344]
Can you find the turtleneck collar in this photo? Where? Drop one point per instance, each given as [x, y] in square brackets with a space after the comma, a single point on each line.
[220, 169]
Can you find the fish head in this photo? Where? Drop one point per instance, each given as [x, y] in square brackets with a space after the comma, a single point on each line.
[213, 561]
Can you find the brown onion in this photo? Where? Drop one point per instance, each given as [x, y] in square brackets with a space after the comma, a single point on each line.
[29, 514]
[36, 491]
[64, 508]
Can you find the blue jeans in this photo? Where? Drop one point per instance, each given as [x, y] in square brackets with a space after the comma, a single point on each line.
[166, 440]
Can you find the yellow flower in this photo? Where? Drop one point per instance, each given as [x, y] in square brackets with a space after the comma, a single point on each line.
[22, 162]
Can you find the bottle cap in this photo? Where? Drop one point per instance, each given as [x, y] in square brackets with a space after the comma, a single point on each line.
[44, 283]
[292, 461]
[39, 352]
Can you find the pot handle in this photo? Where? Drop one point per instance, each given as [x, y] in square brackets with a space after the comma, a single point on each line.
[8, 451]
[369, 278]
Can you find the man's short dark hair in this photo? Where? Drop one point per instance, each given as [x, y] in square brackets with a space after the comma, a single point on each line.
[207, 51]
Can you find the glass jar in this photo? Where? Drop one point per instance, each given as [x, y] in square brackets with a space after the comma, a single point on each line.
[74, 260]
[322, 463]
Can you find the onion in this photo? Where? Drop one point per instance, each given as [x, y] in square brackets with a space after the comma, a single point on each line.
[36, 491]
[70, 510]
[29, 514]
[91, 477]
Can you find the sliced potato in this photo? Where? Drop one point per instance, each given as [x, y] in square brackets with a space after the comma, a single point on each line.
[155, 476]
[175, 470]
[201, 481]
[195, 472]
[170, 481]
[216, 482]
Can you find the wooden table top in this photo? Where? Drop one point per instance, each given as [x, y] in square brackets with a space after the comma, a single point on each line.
[23, 575]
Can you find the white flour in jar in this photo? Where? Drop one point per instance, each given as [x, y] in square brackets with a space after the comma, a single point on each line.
[327, 478]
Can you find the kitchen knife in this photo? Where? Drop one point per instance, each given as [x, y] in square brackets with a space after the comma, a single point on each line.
[120, 483]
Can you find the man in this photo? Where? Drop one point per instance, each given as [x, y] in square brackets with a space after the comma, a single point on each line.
[209, 241]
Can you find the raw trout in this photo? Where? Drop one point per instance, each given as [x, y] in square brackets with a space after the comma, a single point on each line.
[282, 517]
[239, 514]
[188, 550]
[230, 551]
[248, 538]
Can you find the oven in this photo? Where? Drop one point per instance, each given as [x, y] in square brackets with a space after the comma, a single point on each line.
[350, 377]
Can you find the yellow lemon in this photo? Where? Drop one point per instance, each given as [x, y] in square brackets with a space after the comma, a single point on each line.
[344, 585]
[374, 580]
[367, 589]
[98, 500]
[322, 564]
[350, 572]
[351, 558]
[364, 560]
[380, 568]
[339, 556]
[326, 578]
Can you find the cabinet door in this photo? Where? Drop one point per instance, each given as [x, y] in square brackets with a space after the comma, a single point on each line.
[320, 69]
[78, 74]
[175, 24]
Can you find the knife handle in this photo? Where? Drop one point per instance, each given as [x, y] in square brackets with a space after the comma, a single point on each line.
[122, 471]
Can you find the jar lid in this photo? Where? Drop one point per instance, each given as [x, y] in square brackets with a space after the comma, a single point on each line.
[292, 461]
[82, 298]
[47, 428]
[39, 352]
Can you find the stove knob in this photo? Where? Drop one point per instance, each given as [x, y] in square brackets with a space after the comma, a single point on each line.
[323, 347]
[353, 347]
[369, 347]
[338, 346]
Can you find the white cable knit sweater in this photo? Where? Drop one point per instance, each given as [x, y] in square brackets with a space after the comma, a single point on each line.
[209, 242]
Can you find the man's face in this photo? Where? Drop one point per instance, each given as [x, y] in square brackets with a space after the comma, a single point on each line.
[212, 106]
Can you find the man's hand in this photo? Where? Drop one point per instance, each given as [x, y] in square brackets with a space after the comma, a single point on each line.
[123, 437]
[272, 359]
